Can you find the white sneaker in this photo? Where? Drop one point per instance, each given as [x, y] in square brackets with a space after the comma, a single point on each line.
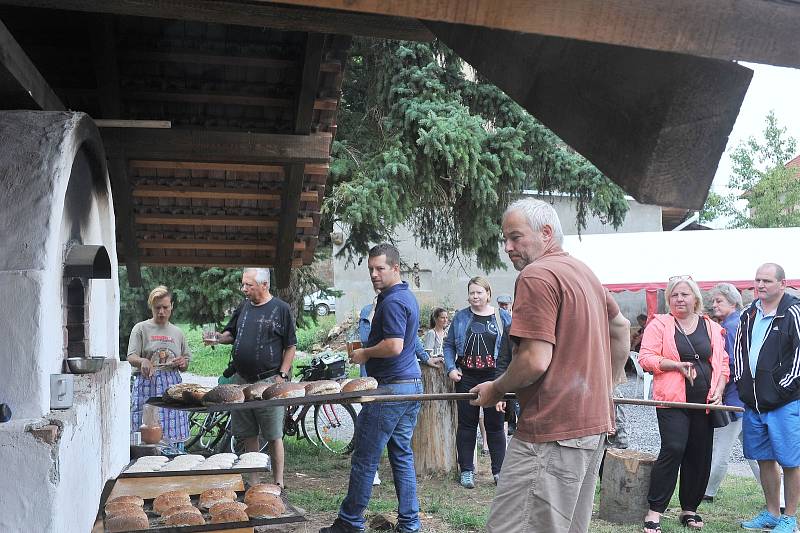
[377, 480]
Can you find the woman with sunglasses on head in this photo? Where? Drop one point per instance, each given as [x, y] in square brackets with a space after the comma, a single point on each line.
[685, 351]
[470, 357]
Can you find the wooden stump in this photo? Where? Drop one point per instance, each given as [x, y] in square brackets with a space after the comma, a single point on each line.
[626, 480]
[434, 442]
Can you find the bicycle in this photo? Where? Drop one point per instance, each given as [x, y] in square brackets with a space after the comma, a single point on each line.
[332, 425]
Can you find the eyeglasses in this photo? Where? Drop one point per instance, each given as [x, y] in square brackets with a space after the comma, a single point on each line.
[682, 277]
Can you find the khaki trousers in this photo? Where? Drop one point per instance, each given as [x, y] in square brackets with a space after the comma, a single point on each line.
[547, 487]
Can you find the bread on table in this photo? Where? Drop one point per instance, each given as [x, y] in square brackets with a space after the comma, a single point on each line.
[286, 389]
[135, 500]
[360, 384]
[212, 496]
[221, 507]
[224, 394]
[264, 497]
[272, 509]
[255, 391]
[268, 488]
[325, 386]
[230, 515]
[173, 498]
[128, 522]
[186, 519]
[175, 392]
[180, 509]
[114, 509]
[195, 395]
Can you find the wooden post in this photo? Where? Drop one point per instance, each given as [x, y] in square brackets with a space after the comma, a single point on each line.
[626, 480]
[434, 442]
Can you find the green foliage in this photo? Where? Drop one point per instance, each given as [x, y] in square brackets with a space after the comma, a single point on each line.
[421, 144]
[771, 191]
[314, 333]
[206, 360]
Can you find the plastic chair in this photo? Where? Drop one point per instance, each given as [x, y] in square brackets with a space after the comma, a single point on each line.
[646, 377]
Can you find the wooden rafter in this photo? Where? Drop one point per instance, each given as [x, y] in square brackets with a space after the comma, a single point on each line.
[118, 173]
[220, 261]
[249, 14]
[198, 220]
[215, 193]
[204, 165]
[205, 244]
[22, 86]
[293, 184]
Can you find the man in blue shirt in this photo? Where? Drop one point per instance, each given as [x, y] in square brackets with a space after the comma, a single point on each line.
[389, 357]
[766, 361]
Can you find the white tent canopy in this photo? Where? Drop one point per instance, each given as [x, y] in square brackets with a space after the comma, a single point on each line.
[636, 261]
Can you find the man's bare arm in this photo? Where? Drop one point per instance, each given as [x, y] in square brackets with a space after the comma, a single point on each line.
[385, 349]
[530, 361]
[619, 329]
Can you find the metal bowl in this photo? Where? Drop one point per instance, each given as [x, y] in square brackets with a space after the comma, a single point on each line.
[85, 365]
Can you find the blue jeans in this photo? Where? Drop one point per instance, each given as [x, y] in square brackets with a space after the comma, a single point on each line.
[389, 424]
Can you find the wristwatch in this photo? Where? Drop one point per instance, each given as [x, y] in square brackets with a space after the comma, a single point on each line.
[284, 375]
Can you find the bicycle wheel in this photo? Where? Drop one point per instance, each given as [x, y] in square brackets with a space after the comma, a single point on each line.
[335, 426]
[308, 426]
[207, 431]
[237, 446]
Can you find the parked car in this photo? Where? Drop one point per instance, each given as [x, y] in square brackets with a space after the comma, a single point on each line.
[320, 304]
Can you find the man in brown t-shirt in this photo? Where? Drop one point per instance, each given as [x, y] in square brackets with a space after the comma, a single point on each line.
[570, 346]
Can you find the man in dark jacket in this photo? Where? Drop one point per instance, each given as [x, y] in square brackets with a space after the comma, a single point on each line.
[766, 358]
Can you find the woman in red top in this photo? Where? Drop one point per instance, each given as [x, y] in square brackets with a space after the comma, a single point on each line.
[685, 351]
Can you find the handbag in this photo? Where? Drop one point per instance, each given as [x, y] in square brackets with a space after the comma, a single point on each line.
[718, 419]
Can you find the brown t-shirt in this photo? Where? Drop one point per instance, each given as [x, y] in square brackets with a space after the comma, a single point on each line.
[558, 299]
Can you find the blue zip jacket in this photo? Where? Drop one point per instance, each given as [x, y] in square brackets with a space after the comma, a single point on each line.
[456, 336]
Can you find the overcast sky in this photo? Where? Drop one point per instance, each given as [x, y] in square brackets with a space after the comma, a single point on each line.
[772, 88]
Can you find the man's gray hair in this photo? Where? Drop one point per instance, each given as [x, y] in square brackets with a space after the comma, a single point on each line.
[729, 292]
[539, 214]
[261, 274]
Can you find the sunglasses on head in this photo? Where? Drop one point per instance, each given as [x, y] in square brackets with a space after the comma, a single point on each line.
[682, 277]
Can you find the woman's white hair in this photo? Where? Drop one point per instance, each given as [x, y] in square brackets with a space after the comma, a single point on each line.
[539, 214]
[729, 292]
[261, 274]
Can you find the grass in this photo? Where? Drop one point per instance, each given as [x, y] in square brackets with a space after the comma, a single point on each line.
[313, 333]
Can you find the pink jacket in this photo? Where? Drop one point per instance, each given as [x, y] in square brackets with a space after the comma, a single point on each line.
[658, 342]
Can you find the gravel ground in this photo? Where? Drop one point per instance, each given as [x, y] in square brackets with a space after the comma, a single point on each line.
[643, 428]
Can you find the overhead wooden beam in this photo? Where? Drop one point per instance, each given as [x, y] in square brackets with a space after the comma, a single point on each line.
[215, 193]
[656, 123]
[220, 261]
[203, 220]
[22, 86]
[203, 165]
[203, 244]
[218, 146]
[286, 18]
[144, 124]
[206, 98]
[188, 56]
[293, 184]
[746, 30]
[123, 216]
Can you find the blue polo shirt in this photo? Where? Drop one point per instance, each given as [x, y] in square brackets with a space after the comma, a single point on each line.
[396, 317]
[761, 326]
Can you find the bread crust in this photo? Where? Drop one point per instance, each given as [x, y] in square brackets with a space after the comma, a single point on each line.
[186, 519]
[286, 389]
[360, 384]
[325, 386]
[212, 496]
[265, 510]
[173, 498]
[269, 488]
[175, 392]
[230, 515]
[116, 509]
[135, 500]
[218, 508]
[224, 394]
[255, 391]
[180, 509]
[127, 522]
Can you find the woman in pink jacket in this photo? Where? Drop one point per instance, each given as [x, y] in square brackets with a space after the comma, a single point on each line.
[685, 351]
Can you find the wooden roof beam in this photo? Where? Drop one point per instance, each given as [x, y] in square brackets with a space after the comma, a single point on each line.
[293, 183]
[220, 220]
[744, 30]
[203, 244]
[123, 214]
[286, 18]
[22, 86]
[212, 146]
[219, 261]
[215, 193]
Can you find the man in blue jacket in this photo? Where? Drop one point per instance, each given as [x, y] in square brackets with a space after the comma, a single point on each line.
[389, 357]
[767, 372]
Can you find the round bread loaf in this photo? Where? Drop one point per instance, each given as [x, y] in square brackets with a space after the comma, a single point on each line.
[128, 522]
[230, 515]
[135, 500]
[268, 488]
[186, 519]
[359, 384]
[212, 496]
[265, 510]
[286, 389]
[325, 386]
[263, 497]
[195, 395]
[255, 391]
[224, 394]
[226, 506]
[114, 509]
[175, 392]
[170, 499]
[180, 509]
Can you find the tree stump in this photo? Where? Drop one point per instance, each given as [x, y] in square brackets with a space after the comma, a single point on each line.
[434, 442]
[626, 480]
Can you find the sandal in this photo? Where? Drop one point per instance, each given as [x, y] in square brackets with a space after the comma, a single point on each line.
[654, 526]
[692, 521]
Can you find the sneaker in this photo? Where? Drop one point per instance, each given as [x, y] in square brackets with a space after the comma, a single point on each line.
[763, 521]
[340, 526]
[496, 478]
[787, 524]
[376, 480]
[468, 479]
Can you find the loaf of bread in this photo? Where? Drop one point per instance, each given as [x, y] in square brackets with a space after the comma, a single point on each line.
[262, 497]
[128, 522]
[359, 384]
[284, 390]
[114, 509]
[221, 507]
[180, 509]
[173, 498]
[230, 515]
[195, 395]
[325, 386]
[186, 519]
[255, 391]
[212, 496]
[135, 500]
[272, 509]
[175, 392]
[224, 394]
[268, 488]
